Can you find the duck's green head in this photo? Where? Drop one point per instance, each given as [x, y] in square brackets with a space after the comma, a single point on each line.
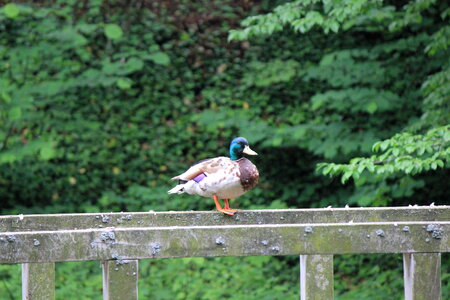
[238, 147]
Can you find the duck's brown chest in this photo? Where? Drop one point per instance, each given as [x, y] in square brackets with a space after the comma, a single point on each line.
[249, 174]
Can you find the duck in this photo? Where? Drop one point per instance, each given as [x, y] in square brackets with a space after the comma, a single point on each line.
[221, 177]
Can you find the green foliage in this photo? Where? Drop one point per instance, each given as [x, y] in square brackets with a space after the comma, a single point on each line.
[332, 16]
[227, 278]
[263, 74]
[113, 31]
[357, 269]
[196, 278]
[436, 90]
[101, 104]
[404, 152]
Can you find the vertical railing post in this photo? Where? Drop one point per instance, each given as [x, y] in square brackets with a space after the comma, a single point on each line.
[316, 277]
[422, 275]
[38, 281]
[120, 279]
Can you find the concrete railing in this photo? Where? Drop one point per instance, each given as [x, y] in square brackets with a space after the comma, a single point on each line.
[120, 240]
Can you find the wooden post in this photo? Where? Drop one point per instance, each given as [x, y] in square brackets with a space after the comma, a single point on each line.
[120, 279]
[422, 275]
[316, 277]
[38, 281]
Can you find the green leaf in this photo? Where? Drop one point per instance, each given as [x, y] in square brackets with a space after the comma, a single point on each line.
[360, 168]
[325, 168]
[277, 141]
[346, 176]
[47, 152]
[327, 60]
[124, 83]
[334, 26]
[160, 58]
[15, 113]
[7, 157]
[384, 145]
[11, 10]
[371, 107]
[376, 147]
[87, 28]
[6, 97]
[396, 151]
[113, 31]
[185, 36]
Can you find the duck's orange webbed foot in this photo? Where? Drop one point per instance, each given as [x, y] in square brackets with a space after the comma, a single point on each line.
[227, 206]
[226, 210]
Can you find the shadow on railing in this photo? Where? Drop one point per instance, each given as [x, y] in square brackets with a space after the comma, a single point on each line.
[119, 240]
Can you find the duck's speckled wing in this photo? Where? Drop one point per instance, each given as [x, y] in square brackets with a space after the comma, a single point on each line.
[207, 166]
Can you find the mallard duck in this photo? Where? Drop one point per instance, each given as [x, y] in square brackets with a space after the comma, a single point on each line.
[221, 177]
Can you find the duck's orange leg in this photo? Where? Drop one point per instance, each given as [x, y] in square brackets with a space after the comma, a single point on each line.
[219, 207]
[227, 206]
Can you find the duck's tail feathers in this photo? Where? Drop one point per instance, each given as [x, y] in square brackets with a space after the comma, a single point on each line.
[179, 189]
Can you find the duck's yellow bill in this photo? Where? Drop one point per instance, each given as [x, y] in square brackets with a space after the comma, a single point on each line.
[249, 151]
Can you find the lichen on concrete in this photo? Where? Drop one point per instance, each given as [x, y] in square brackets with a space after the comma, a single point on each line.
[127, 217]
[105, 219]
[11, 238]
[220, 241]
[106, 236]
[436, 230]
[155, 248]
[119, 260]
[380, 232]
[275, 249]
[308, 229]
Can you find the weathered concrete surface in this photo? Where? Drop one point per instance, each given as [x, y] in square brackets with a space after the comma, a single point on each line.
[120, 279]
[38, 281]
[422, 276]
[235, 240]
[204, 218]
[316, 277]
